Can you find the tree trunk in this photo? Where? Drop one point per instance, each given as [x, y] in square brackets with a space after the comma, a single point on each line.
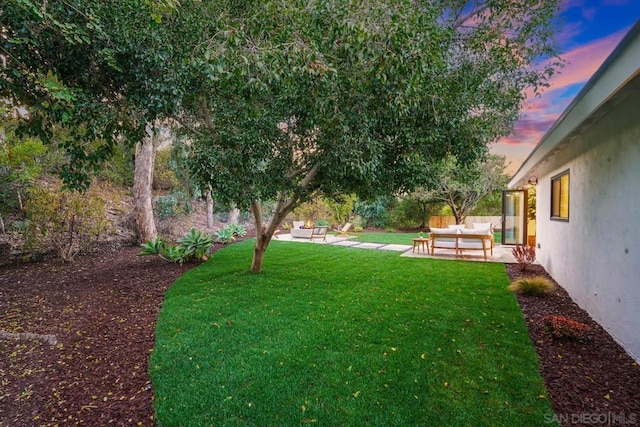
[142, 185]
[264, 232]
[209, 210]
[258, 256]
[234, 215]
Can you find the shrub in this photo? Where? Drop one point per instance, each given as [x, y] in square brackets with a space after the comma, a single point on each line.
[64, 221]
[225, 235]
[164, 178]
[564, 327]
[313, 210]
[524, 255]
[536, 286]
[193, 245]
[174, 204]
[237, 230]
[153, 247]
[374, 214]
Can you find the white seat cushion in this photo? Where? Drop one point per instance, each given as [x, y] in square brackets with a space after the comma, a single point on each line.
[434, 230]
[482, 226]
[457, 226]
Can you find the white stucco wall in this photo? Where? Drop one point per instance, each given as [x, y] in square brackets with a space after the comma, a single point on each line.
[596, 255]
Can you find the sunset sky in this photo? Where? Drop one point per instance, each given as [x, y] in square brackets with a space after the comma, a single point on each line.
[589, 31]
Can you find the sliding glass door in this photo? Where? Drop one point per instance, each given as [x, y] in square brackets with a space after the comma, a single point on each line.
[514, 217]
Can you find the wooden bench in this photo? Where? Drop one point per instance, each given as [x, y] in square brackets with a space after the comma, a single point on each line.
[475, 241]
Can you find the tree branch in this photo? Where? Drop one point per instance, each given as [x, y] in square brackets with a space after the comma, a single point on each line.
[464, 18]
[206, 114]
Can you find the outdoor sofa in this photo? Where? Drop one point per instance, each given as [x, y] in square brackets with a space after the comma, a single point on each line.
[460, 238]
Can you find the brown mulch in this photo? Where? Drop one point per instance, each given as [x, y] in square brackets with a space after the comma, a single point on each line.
[94, 320]
[593, 382]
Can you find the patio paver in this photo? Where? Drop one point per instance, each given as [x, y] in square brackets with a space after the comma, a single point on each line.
[500, 253]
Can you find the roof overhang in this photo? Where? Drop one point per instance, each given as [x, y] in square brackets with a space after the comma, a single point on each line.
[619, 73]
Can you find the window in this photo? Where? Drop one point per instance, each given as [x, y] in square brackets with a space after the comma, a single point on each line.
[560, 196]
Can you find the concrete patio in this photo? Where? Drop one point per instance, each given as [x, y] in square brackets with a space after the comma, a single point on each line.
[500, 253]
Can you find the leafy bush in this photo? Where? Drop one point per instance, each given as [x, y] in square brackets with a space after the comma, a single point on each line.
[193, 245]
[225, 235]
[564, 327]
[535, 286]
[358, 224]
[313, 210]
[164, 178]
[173, 204]
[524, 255]
[153, 247]
[341, 206]
[374, 214]
[237, 230]
[321, 223]
[64, 221]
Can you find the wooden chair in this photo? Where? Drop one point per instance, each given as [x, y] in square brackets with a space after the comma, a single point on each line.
[343, 230]
[319, 232]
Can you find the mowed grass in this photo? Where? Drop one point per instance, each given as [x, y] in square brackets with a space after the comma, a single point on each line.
[334, 336]
[394, 238]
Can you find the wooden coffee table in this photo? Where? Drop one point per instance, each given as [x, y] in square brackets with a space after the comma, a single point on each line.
[421, 242]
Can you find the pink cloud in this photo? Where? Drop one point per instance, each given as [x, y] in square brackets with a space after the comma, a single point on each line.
[541, 112]
[583, 61]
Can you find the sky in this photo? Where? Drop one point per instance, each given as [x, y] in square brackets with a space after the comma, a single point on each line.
[589, 30]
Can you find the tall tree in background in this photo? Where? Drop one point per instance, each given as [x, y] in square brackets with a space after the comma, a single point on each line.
[100, 70]
[462, 186]
[297, 98]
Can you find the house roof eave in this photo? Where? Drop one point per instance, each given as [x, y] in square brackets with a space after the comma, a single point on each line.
[620, 67]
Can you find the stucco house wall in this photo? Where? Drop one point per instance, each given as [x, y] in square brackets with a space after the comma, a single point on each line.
[595, 256]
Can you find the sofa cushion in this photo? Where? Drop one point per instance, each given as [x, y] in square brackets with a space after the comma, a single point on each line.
[472, 243]
[457, 226]
[443, 242]
[434, 230]
[484, 226]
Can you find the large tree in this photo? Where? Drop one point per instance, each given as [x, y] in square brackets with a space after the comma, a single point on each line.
[299, 98]
[101, 69]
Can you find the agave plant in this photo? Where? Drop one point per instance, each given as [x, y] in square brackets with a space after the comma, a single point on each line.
[237, 230]
[195, 244]
[174, 254]
[225, 235]
[153, 247]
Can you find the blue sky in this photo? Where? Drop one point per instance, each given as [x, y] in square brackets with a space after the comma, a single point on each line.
[589, 30]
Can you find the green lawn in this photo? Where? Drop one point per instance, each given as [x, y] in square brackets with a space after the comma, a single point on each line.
[382, 237]
[334, 336]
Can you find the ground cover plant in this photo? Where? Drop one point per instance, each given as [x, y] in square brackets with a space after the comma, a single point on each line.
[338, 336]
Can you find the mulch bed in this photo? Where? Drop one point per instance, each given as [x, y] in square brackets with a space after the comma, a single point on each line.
[93, 330]
[594, 382]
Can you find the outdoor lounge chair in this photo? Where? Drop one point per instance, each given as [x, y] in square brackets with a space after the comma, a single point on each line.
[343, 231]
[319, 232]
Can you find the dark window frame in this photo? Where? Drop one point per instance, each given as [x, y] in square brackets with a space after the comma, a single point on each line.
[556, 214]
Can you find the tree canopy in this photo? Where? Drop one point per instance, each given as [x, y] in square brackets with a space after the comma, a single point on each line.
[300, 98]
[285, 99]
[462, 186]
[101, 69]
